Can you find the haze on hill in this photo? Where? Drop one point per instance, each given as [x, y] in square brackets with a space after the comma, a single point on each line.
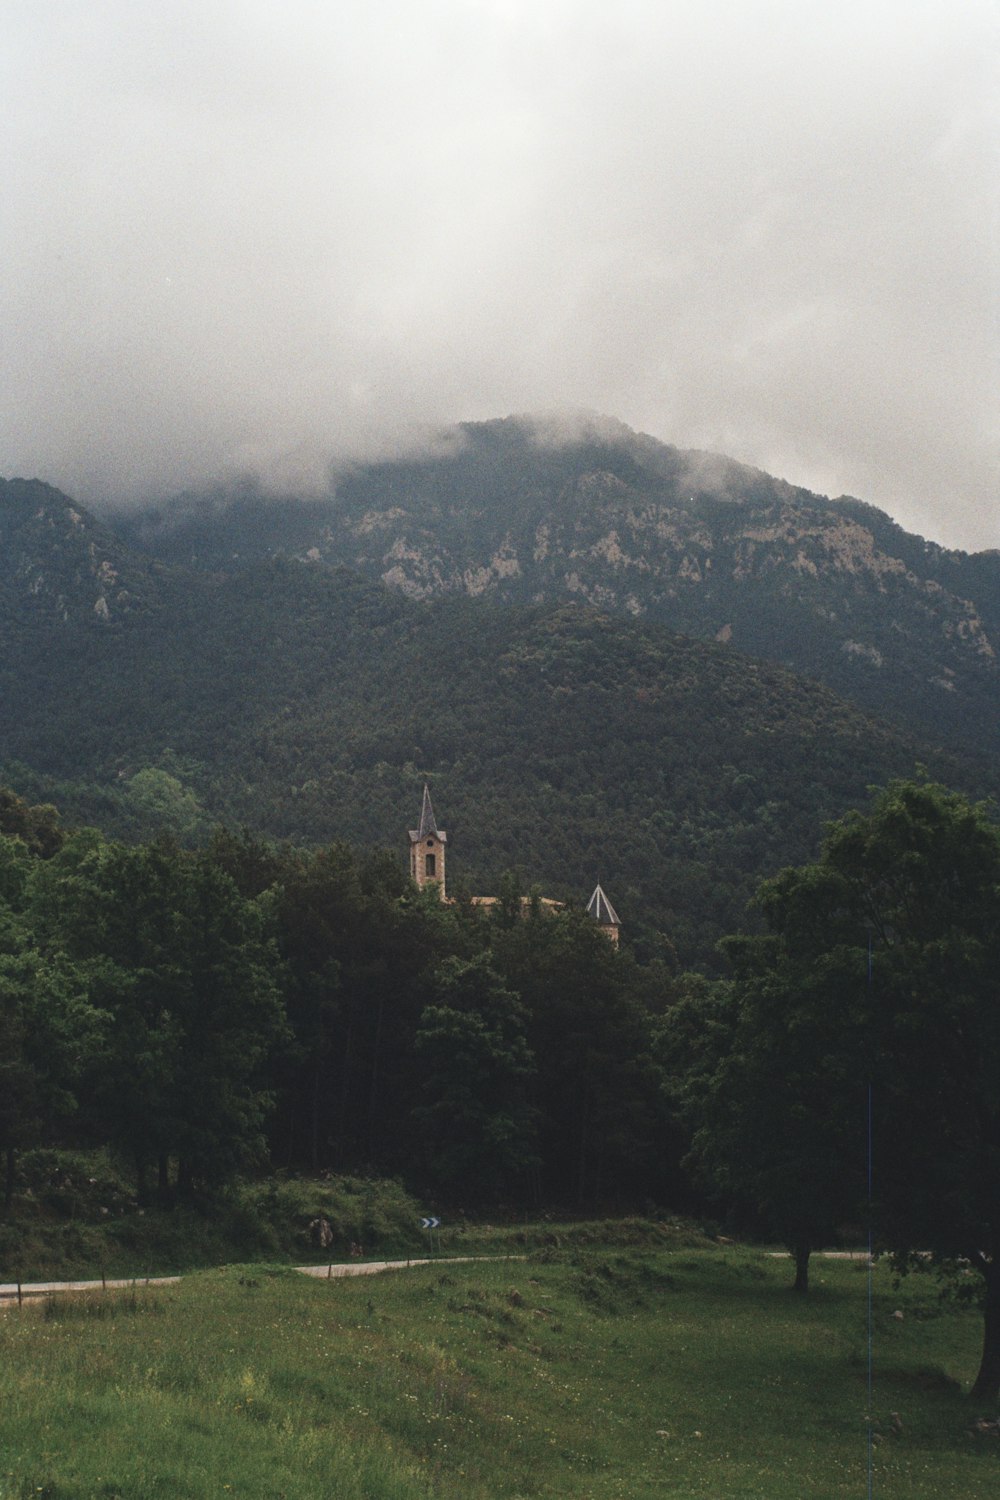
[255, 238]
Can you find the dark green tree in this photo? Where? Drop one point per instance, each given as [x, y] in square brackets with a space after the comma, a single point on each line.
[49, 1030]
[475, 1118]
[920, 874]
[358, 957]
[882, 971]
[37, 827]
[768, 1075]
[185, 968]
[593, 1088]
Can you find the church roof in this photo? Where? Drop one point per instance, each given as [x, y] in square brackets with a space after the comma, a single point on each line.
[428, 827]
[600, 908]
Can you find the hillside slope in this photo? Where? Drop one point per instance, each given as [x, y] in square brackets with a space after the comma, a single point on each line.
[567, 743]
[58, 562]
[523, 512]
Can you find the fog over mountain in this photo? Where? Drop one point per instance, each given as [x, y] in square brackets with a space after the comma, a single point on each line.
[259, 237]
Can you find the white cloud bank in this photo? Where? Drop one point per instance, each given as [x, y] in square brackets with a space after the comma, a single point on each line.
[250, 235]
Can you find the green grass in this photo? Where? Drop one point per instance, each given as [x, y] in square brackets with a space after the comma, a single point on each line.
[634, 1373]
[482, 1238]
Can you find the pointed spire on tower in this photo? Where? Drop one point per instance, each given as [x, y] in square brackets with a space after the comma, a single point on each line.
[427, 823]
[428, 845]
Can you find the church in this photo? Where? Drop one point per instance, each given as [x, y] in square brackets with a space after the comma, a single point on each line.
[428, 847]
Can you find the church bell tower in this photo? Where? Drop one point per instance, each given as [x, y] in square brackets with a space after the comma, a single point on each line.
[427, 849]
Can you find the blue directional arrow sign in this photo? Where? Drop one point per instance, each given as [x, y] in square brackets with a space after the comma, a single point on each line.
[429, 1223]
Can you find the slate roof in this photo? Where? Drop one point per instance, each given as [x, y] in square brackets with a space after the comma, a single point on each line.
[600, 908]
[428, 827]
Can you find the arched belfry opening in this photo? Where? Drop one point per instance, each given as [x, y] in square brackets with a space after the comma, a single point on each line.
[427, 849]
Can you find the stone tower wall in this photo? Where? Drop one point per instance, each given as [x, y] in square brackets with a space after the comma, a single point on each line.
[429, 850]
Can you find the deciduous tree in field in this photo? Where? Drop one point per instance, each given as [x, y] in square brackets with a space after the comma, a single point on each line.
[881, 974]
[921, 874]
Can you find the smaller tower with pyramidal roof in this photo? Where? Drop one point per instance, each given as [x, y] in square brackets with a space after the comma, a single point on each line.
[427, 849]
[604, 914]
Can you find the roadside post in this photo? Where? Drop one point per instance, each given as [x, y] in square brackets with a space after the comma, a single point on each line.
[430, 1224]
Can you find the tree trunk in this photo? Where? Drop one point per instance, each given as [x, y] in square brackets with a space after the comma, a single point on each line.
[185, 1183]
[163, 1180]
[8, 1182]
[292, 1122]
[581, 1177]
[314, 1132]
[801, 1253]
[987, 1383]
[374, 1084]
[345, 1087]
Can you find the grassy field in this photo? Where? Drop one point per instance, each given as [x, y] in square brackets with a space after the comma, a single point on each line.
[575, 1371]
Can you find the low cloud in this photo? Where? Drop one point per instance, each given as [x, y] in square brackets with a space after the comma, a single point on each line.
[264, 238]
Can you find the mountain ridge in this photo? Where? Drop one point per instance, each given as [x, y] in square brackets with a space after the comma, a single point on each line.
[308, 703]
[524, 513]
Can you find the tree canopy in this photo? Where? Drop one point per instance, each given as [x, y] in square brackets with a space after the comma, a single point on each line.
[206, 1013]
[878, 980]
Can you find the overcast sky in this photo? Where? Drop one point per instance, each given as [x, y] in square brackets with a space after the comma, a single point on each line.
[246, 235]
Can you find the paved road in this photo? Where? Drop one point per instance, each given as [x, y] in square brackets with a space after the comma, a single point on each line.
[366, 1267]
[11, 1290]
[823, 1254]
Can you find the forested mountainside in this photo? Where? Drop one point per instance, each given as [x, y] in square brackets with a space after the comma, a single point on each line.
[518, 511]
[58, 562]
[309, 705]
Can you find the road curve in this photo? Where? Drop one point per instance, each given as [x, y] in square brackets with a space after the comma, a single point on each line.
[13, 1291]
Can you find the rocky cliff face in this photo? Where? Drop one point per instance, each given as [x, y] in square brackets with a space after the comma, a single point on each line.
[57, 562]
[708, 546]
[600, 541]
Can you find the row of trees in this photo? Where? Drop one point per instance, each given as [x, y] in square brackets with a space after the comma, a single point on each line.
[139, 1004]
[206, 1012]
